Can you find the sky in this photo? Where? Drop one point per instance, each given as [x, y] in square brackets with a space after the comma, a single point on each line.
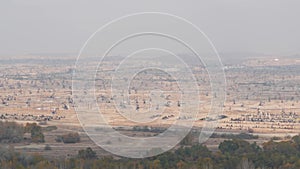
[62, 26]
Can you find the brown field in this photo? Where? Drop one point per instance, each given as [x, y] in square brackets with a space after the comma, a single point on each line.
[262, 98]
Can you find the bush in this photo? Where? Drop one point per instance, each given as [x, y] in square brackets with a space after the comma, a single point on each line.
[37, 135]
[36, 132]
[47, 147]
[276, 138]
[69, 138]
[11, 132]
[49, 128]
[188, 139]
[235, 136]
[58, 139]
[228, 146]
[87, 154]
[29, 127]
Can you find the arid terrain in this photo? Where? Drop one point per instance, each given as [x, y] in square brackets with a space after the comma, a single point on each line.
[262, 98]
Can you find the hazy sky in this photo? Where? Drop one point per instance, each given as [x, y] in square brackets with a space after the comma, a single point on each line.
[62, 26]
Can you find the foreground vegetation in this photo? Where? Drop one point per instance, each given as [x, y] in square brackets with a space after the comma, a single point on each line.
[11, 132]
[233, 153]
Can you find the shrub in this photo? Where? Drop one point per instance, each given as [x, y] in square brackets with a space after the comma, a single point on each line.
[29, 127]
[11, 132]
[188, 139]
[87, 154]
[37, 135]
[70, 138]
[58, 139]
[47, 147]
[235, 136]
[228, 146]
[49, 128]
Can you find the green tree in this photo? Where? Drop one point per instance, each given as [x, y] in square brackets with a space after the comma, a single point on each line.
[228, 146]
[37, 135]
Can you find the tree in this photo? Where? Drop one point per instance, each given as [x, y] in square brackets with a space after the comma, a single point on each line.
[36, 132]
[205, 163]
[37, 135]
[187, 140]
[245, 164]
[11, 132]
[88, 153]
[228, 146]
[156, 164]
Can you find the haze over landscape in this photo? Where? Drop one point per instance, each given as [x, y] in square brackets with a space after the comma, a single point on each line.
[263, 27]
[149, 91]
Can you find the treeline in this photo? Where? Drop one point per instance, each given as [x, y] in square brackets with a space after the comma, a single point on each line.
[72, 137]
[235, 136]
[12, 132]
[232, 154]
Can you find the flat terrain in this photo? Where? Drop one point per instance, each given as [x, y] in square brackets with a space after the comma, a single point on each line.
[262, 97]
